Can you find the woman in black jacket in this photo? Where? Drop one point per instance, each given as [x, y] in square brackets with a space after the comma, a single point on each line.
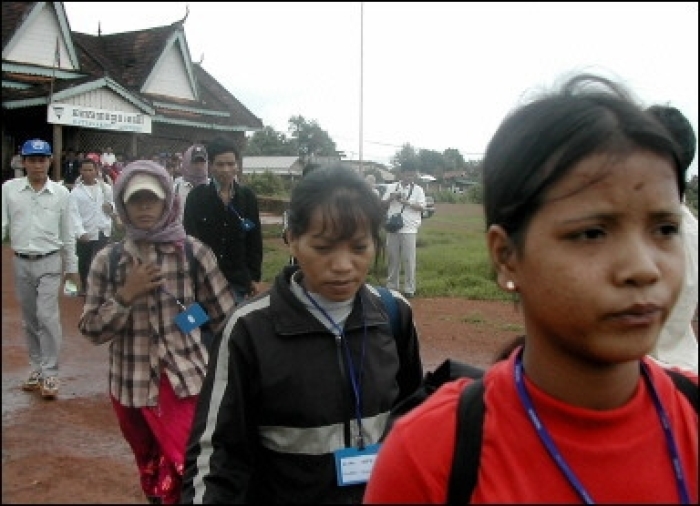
[301, 381]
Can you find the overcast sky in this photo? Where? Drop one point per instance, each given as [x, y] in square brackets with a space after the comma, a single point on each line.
[435, 75]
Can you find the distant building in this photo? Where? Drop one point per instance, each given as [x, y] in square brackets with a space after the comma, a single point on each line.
[137, 92]
[285, 166]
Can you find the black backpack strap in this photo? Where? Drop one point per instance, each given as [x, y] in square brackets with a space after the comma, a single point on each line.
[189, 254]
[686, 386]
[113, 260]
[467, 453]
[392, 308]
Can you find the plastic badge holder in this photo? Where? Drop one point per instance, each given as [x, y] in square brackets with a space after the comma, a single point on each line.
[69, 289]
[193, 317]
[247, 225]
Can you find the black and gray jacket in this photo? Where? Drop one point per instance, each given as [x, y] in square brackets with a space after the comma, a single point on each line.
[239, 253]
[277, 400]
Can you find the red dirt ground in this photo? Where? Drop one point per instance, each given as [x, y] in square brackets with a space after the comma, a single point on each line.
[70, 451]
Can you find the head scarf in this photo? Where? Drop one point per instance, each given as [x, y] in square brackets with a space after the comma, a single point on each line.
[193, 175]
[169, 228]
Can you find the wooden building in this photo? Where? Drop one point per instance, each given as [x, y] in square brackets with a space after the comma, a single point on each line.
[137, 92]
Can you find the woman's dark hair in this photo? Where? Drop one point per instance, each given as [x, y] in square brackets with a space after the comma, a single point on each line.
[680, 128]
[539, 143]
[345, 199]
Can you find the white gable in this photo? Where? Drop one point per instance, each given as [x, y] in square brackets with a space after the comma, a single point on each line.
[102, 98]
[35, 41]
[169, 76]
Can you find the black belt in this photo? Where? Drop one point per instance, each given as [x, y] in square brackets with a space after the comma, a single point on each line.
[35, 257]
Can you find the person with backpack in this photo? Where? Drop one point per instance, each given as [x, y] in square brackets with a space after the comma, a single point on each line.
[582, 199]
[150, 303]
[298, 393]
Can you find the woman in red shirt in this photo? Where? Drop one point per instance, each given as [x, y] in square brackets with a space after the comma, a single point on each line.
[582, 197]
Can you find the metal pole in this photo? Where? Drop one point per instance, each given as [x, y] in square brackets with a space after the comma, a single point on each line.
[362, 41]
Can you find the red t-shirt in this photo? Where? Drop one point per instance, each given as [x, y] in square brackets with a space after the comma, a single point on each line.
[619, 455]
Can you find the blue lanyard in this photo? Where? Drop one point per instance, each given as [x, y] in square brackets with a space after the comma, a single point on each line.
[355, 375]
[182, 306]
[233, 209]
[559, 460]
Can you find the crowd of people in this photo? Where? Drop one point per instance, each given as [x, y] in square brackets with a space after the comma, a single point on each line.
[229, 391]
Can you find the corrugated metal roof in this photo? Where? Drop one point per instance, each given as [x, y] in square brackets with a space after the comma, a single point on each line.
[269, 162]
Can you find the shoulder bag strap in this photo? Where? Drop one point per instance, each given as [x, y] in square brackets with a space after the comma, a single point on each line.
[391, 308]
[114, 254]
[407, 197]
[467, 452]
[686, 387]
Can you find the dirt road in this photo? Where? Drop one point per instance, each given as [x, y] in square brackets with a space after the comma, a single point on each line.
[70, 451]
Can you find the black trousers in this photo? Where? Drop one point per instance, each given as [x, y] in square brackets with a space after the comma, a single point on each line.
[86, 250]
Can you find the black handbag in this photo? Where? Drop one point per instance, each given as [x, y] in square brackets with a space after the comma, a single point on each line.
[394, 223]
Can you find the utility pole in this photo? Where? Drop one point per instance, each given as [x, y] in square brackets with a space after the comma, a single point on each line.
[362, 41]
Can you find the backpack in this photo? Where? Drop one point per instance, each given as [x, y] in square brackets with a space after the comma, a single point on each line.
[471, 410]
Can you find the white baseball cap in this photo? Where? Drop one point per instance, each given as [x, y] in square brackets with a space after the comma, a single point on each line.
[144, 182]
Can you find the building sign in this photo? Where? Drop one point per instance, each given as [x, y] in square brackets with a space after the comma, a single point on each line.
[87, 117]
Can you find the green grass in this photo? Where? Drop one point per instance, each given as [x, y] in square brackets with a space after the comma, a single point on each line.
[451, 255]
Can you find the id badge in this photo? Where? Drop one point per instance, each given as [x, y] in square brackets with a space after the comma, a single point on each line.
[191, 318]
[353, 466]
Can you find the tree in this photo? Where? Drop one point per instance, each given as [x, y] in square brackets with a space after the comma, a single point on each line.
[473, 170]
[406, 157]
[269, 142]
[308, 140]
[453, 160]
[311, 140]
[431, 162]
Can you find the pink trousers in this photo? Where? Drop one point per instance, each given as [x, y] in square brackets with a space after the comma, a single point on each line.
[158, 437]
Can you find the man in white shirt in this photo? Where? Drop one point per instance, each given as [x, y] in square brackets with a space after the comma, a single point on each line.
[108, 158]
[91, 210]
[35, 215]
[677, 344]
[407, 198]
[371, 181]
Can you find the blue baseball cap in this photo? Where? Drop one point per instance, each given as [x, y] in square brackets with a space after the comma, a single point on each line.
[36, 147]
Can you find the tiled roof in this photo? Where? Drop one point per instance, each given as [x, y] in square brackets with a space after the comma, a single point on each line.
[127, 57]
[13, 13]
[214, 95]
